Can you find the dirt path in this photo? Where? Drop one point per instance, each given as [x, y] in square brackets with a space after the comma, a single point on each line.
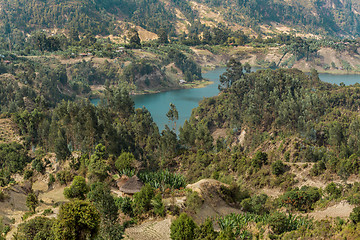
[341, 209]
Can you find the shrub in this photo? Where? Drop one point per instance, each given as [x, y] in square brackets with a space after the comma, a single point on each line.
[142, 199]
[28, 174]
[51, 180]
[206, 231]
[38, 165]
[278, 168]
[259, 159]
[64, 177]
[36, 228]
[193, 202]
[281, 222]
[125, 161]
[255, 204]
[158, 206]
[78, 189]
[301, 199]
[355, 215]
[32, 201]
[333, 190]
[183, 228]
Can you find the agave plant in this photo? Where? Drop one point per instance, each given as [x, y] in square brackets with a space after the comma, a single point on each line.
[163, 179]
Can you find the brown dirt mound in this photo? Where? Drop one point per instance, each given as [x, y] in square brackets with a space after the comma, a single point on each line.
[213, 205]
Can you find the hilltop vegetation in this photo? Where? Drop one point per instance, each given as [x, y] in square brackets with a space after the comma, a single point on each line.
[325, 17]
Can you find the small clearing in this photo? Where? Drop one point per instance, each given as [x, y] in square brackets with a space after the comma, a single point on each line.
[341, 209]
[8, 131]
[150, 230]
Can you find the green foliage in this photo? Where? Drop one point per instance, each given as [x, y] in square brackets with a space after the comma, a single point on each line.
[142, 199]
[64, 177]
[355, 215]
[234, 72]
[236, 223]
[32, 201]
[78, 189]
[61, 149]
[183, 228]
[13, 158]
[163, 179]
[36, 228]
[191, 70]
[233, 193]
[38, 165]
[255, 204]
[51, 180]
[301, 199]
[77, 219]
[206, 231]
[98, 168]
[334, 190]
[28, 174]
[173, 114]
[278, 167]
[158, 205]
[125, 205]
[101, 197]
[125, 161]
[281, 222]
[193, 202]
[259, 159]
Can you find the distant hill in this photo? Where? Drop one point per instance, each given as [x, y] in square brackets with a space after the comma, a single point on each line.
[107, 17]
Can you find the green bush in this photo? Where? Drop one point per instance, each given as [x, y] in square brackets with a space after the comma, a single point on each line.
[355, 215]
[142, 199]
[278, 168]
[38, 165]
[259, 159]
[32, 201]
[183, 228]
[125, 205]
[193, 201]
[64, 177]
[158, 206]
[334, 190]
[78, 189]
[301, 199]
[255, 204]
[36, 228]
[125, 161]
[206, 231]
[51, 180]
[28, 174]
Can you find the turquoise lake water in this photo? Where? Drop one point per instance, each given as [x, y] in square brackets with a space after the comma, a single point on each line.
[187, 99]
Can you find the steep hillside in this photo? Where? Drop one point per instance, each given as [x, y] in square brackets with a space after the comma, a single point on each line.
[323, 17]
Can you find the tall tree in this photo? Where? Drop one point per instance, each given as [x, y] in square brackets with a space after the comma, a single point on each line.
[77, 220]
[233, 73]
[173, 115]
